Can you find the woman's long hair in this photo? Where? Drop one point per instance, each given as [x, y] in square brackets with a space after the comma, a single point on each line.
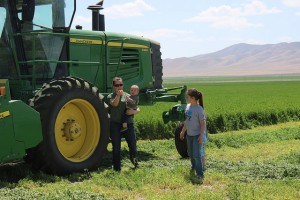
[197, 95]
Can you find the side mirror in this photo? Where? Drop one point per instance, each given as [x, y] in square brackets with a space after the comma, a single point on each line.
[28, 9]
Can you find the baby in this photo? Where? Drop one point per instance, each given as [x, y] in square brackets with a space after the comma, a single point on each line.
[132, 101]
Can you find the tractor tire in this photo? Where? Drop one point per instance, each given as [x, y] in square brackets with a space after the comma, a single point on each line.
[157, 66]
[75, 127]
[181, 145]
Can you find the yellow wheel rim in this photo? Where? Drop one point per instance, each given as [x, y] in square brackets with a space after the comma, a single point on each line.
[77, 130]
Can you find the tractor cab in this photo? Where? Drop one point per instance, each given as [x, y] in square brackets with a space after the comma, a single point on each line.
[32, 40]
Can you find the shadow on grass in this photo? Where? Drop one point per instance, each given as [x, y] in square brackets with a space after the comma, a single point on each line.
[11, 174]
[142, 155]
[193, 178]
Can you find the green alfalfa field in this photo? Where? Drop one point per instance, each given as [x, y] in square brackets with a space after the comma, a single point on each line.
[230, 104]
[257, 161]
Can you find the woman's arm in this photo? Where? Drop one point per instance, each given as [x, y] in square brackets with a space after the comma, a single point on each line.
[115, 102]
[183, 130]
[200, 138]
[133, 112]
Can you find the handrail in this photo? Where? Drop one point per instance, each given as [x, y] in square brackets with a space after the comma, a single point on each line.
[34, 61]
[120, 56]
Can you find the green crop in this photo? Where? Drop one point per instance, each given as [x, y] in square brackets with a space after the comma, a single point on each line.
[230, 106]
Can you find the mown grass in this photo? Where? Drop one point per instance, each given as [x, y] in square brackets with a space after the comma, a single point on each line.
[262, 163]
[230, 106]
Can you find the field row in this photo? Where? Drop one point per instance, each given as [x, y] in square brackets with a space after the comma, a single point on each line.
[262, 163]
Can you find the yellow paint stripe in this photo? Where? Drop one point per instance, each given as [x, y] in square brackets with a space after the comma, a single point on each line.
[4, 114]
[111, 44]
[85, 41]
[3, 81]
[118, 44]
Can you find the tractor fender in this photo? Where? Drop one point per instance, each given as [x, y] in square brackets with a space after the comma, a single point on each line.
[26, 123]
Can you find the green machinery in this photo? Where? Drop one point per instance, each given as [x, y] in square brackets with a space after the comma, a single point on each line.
[53, 82]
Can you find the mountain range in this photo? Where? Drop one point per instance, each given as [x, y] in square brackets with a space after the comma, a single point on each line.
[239, 59]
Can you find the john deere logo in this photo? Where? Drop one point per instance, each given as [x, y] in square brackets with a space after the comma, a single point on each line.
[85, 41]
[4, 114]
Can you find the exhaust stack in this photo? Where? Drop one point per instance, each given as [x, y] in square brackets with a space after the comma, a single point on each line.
[98, 23]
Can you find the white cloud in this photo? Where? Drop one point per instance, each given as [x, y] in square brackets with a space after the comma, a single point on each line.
[81, 20]
[258, 8]
[233, 17]
[291, 3]
[130, 9]
[165, 33]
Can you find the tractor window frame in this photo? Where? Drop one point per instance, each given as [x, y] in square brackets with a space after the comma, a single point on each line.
[7, 63]
[57, 15]
[2, 18]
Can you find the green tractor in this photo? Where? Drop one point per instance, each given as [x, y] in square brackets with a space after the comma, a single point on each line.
[53, 82]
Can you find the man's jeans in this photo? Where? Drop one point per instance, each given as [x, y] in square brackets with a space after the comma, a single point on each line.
[116, 135]
[194, 152]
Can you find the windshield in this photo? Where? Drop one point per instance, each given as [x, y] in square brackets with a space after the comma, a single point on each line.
[2, 18]
[37, 50]
[48, 13]
[7, 65]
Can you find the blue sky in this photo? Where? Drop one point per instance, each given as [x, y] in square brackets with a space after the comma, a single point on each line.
[193, 27]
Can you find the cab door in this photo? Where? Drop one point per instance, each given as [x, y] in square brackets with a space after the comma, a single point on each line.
[86, 55]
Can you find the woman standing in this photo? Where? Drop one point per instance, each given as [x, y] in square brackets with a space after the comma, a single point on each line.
[194, 124]
[117, 102]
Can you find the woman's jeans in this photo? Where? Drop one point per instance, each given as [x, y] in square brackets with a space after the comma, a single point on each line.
[115, 136]
[194, 149]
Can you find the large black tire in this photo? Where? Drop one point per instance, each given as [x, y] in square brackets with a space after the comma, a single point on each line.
[157, 66]
[75, 127]
[181, 145]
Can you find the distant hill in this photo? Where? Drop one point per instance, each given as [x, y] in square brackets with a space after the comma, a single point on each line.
[239, 59]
